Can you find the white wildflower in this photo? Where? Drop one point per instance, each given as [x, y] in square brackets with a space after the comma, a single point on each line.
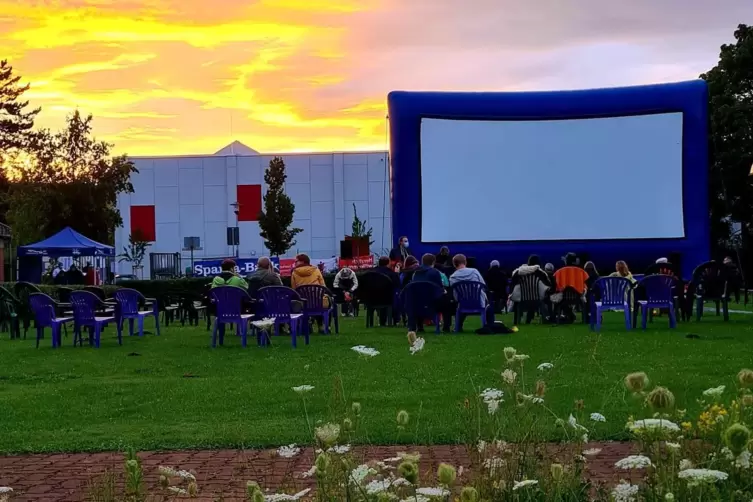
[284, 497]
[417, 345]
[358, 474]
[328, 433]
[584, 438]
[672, 446]
[339, 449]
[392, 460]
[633, 462]
[714, 392]
[520, 357]
[433, 492]
[572, 422]
[491, 395]
[481, 446]
[309, 473]
[302, 389]
[685, 464]
[377, 486]
[531, 399]
[742, 460]
[697, 477]
[185, 475]
[625, 492]
[365, 351]
[167, 471]
[289, 451]
[509, 376]
[401, 482]
[653, 424]
[5, 489]
[523, 484]
[592, 452]
[492, 407]
[493, 464]
[417, 498]
[545, 366]
[598, 417]
[177, 490]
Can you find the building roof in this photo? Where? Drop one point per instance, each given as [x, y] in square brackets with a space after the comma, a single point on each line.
[236, 148]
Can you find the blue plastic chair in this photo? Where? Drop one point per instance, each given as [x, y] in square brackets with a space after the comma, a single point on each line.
[85, 306]
[610, 293]
[128, 308]
[419, 301]
[659, 294]
[43, 308]
[472, 298]
[277, 303]
[313, 296]
[228, 301]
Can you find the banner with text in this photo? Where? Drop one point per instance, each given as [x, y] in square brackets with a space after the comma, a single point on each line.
[243, 266]
[357, 263]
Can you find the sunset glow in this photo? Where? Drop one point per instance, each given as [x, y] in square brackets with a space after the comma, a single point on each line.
[189, 76]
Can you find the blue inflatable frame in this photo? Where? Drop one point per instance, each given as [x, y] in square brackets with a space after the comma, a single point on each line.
[406, 109]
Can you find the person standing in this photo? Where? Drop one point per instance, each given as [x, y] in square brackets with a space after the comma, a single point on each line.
[400, 253]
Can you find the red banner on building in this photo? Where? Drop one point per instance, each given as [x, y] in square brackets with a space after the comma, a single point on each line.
[358, 263]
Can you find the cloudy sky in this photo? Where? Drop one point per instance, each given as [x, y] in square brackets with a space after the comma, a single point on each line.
[188, 76]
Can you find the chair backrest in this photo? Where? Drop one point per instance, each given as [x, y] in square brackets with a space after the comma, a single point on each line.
[97, 291]
[470, 295]
[529, 288]
[314, 296]
[375, 289]
[22, 291]
[84, 305]
[64, 294]
[128, 300]
[420, 297]
[612, 290]
[710, 279]
[43, 307]
[228, 301]
[658, 288]
[278, 301]
[663, 269]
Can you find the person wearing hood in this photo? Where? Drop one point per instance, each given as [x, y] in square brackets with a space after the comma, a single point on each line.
[305, 274]
[228, 277]
[345, 285]
[496, 281]
[465, 273]
[532, 267]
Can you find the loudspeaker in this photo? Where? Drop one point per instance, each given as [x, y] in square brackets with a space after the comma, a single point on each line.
[346, 250]
[233, 236]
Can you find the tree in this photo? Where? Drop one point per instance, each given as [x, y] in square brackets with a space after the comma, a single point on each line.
[16, 124]
[277, 216]
[358, 229]
[730, 85]
[68, 179]
[135, 252]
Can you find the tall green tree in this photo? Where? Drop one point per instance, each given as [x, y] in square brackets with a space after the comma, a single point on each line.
[71, 180]
[276, 218]
[730, 85]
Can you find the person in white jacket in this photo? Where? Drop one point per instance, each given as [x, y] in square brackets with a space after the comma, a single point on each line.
[345, 285]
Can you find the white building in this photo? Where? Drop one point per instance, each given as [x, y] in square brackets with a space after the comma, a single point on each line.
[194, 196]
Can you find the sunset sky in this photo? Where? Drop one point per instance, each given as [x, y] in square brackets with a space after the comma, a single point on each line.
[189, 76]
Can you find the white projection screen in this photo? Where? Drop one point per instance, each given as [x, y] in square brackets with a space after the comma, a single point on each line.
[546, 180]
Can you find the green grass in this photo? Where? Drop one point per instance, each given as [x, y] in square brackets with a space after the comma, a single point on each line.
[179, 393]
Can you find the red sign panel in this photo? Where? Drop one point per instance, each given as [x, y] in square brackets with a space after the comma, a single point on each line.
[143, 223]
[358, 263]
[249, 202]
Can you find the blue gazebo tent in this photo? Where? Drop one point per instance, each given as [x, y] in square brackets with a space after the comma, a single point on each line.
[67, 242]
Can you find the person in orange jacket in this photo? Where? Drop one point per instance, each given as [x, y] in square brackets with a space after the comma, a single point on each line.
[304, 273]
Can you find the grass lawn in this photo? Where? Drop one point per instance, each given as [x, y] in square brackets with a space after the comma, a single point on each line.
[174, 391]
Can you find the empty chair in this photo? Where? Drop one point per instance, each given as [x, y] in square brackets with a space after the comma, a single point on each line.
[228, 301]
[710, 282]
[419, 301]
[277, 303]
[22, 290]
[658, 292]
[472, 298]
[64, 294]
[377, 293]
[610, 293]
[9, 308]
[128, 307]
[315, 299]
[85, 306]
[44, 308]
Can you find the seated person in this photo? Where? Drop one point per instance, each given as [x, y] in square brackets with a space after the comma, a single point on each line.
[384, 268]
[622, 270]
[531, 269]
[496, 280]
[443, 258]
[593, 274]
[570, 276]
[407, 271]
[263, 276]
[345, 285]
[304, 273]
[427, 273]
[465, 273]
[228, 277]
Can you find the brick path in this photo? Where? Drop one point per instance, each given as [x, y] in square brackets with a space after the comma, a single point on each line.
[222, 474]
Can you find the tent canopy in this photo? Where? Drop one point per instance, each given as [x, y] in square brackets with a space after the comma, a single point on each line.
[67, 242]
